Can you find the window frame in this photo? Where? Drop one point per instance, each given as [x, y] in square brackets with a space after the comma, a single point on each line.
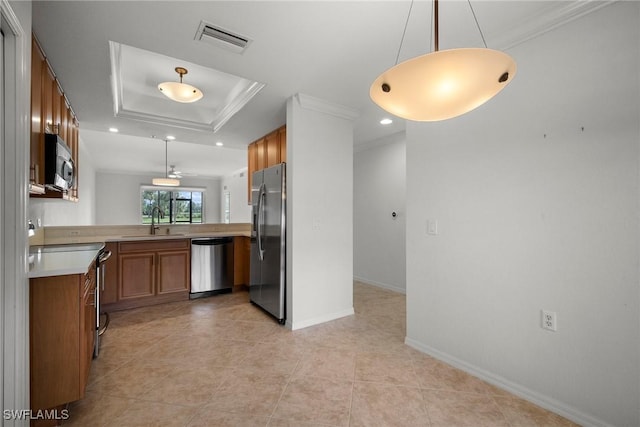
[173, 197]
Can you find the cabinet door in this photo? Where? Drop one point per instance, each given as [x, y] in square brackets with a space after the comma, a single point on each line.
[272, 144]
[174, 272]
[109, 288]
[241, 248]
[57, 102]
[75, 139]
[87, 328]
[261, 157]
[282, 138]
[252, 152]
[38, 71]
[54, 330]
[64, 117]
[137, 276]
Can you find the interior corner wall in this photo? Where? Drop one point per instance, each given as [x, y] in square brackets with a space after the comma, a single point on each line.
[319, 216]
[379, 246]
[536, 197]
[118, 201]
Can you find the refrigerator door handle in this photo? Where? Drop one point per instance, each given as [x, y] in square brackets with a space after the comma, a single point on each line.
[260, 220]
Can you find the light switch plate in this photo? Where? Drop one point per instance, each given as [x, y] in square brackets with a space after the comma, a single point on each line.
[432, 227]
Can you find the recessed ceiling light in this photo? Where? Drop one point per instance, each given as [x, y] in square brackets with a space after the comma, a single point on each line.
[171, 137]
[219, 144]
[114, 130]
[386, 121]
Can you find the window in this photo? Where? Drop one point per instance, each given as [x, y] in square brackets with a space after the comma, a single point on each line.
[227, 207]
[179, 206]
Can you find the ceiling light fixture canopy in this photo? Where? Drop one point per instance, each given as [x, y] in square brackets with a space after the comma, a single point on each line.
[166, 181]
[444, 83]
[180, 92]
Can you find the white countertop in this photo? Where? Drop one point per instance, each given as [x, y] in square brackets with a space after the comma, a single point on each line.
[43, 264]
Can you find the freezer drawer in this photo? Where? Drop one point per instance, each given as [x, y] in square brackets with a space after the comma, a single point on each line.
[211, 266]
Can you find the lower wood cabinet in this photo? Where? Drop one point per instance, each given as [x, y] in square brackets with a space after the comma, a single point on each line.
[147, 272]
[61, 337]
[241, 252]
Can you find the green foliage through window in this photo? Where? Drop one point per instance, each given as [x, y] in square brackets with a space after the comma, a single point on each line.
[178, 206]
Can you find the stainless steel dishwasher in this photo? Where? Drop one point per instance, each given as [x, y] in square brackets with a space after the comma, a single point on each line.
[211, 266]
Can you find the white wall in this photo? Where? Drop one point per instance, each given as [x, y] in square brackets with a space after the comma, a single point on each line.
[236, 184]
[319, 211]
[536, 213]
[62, 212]
[118, 201]
[379, 187]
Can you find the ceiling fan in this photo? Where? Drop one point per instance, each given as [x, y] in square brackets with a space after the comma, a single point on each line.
[173, 173]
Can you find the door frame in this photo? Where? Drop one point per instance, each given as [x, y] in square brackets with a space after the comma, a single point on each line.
[14, 144]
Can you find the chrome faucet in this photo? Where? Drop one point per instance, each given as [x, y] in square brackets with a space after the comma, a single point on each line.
[154, 227]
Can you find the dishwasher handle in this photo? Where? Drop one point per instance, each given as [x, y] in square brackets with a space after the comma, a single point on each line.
[212, 241]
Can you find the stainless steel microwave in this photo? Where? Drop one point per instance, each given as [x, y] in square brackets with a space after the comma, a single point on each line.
[58, 165]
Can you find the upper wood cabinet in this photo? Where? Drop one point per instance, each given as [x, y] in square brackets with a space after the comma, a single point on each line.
[267, 151]
[50, 113]
[282, 139]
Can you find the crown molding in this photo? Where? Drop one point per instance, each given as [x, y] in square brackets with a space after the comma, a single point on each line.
[320, 105]
[546, 20]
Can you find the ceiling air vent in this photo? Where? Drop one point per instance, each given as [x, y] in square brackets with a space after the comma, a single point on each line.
[221, 37]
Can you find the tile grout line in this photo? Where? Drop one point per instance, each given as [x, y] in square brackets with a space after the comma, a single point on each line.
[284, 389]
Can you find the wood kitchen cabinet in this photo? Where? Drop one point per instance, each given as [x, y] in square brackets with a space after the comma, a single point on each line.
[51, 112]
[147, 272]
[267, 151]
[241, 254]
[282, 140]
[109, 289]
[61, 337]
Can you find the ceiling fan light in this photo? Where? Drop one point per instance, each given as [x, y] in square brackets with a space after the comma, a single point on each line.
[166, 182]
[443, 84]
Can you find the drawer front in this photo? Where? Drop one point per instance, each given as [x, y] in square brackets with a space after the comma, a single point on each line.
[154, 245]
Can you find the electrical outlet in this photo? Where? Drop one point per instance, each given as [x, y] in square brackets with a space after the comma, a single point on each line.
[549, 321]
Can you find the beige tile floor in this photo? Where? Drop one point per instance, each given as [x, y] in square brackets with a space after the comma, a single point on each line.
[220, 361]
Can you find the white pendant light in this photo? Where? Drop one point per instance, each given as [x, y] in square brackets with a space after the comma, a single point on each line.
[166, 181]
[442, 84]
[180, 92]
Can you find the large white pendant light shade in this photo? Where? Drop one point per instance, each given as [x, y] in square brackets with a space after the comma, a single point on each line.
[442, 84]
[180, 92]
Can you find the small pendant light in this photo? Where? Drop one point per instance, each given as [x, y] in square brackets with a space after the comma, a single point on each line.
[180, 92]
[166, 181]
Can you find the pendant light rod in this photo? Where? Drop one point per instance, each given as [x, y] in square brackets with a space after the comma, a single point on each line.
[436, 30]
[166, 157]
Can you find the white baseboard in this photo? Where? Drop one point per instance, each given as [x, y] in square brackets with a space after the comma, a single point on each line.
[321, 319]
[393, 288]
[546, 402]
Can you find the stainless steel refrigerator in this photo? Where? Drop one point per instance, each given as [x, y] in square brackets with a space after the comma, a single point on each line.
[268, 249]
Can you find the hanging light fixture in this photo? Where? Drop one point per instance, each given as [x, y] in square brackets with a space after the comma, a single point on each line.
[166, 181]
[180, 92]
[444, 83]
